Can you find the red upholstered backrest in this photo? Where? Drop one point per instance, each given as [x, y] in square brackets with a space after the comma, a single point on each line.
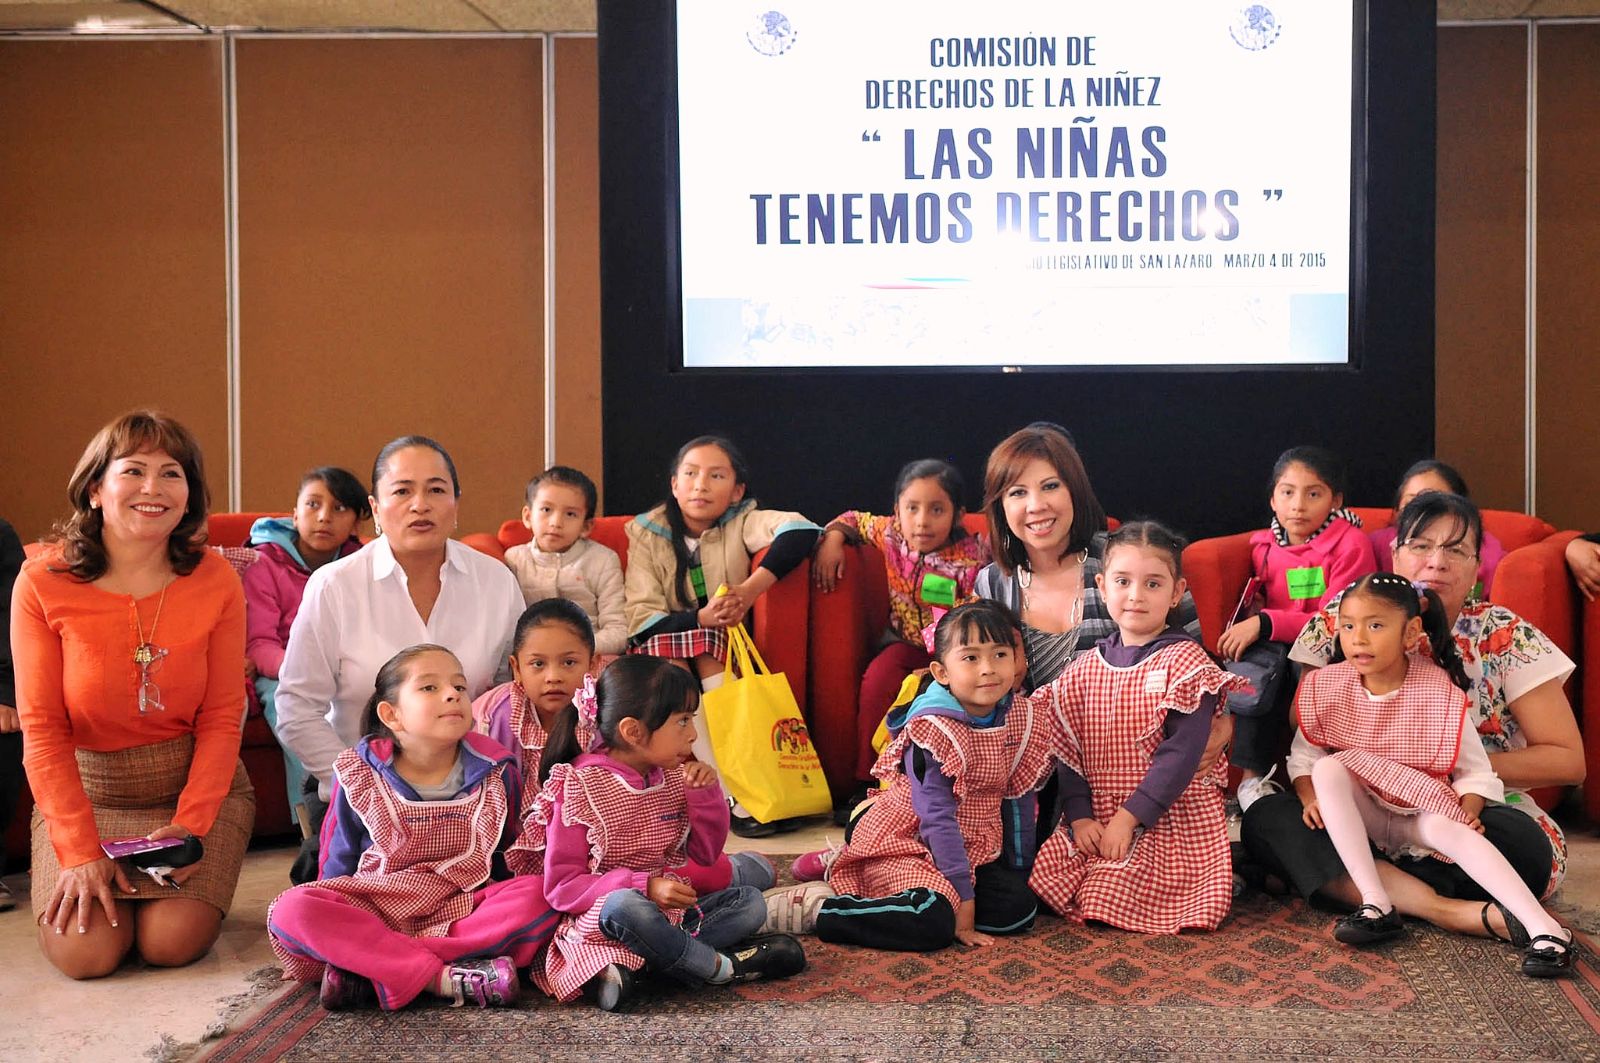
[607, 531]
[231, 529]
[1513, 529]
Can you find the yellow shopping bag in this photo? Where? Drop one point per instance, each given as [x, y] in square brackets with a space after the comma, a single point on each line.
[763, 749]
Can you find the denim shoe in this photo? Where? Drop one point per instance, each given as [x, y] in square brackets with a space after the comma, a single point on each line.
[488, 983]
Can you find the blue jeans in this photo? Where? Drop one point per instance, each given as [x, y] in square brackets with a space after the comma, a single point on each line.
[752, 869]
[687, 953]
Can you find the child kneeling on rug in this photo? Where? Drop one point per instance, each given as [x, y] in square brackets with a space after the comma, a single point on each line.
[1143, 841]
[617, 817]
[1384, 755]
[421, 810]
[943, 854]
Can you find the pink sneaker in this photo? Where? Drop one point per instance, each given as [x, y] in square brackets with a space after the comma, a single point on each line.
[813, 867]
[488, 983]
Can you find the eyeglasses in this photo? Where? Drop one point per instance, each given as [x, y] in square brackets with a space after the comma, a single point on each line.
[149, 658]
[1422, 549]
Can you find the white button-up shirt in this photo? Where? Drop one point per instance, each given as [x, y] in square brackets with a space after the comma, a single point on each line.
[356, 614]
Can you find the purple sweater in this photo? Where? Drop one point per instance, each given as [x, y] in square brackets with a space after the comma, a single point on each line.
[1175, 760]
[345, 837]
[933, 796]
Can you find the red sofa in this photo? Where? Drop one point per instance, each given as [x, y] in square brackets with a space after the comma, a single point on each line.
[258, 748]
[1532, 581]
[779, 621]
[846, 624]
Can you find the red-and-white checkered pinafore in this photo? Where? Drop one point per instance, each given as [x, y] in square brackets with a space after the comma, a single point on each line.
[1404, 748]
[525, 856]
[1110, 722]
[987, 765]
[643, 830]
[425, 860]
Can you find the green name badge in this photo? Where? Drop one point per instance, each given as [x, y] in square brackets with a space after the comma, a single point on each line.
[1309, 582]
[939, 590]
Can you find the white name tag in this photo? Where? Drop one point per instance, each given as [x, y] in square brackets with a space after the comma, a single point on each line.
[1155, 681]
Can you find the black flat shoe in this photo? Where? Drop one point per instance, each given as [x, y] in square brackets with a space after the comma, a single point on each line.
[1548, 963]
[1516, 933]
[746, 827]
[767, 956]
[1368, 925]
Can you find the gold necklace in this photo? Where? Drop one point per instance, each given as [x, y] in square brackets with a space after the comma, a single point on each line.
[145, 652]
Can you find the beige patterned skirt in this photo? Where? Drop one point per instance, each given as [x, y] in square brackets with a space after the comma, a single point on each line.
[134, 791]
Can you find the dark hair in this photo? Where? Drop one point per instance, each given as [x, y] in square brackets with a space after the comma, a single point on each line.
[1153, 536]
[569, 477]
[1436, 505]
[558, 611]
[380, 464]
[946, 475]
[83, 547]
[680, 551]
[639, 687]
[387, 686]
[343, 486]
[984, 620]
[1051, 444]
[1052, 426]
[1409, 598]
[1320, 460]
[1447, 473]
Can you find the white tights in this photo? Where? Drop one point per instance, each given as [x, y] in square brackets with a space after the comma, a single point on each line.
[1353, 815]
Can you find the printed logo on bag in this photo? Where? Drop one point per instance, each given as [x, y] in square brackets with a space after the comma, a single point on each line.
[790, 735]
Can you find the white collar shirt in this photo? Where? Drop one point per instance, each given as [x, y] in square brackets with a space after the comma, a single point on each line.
[356, 614]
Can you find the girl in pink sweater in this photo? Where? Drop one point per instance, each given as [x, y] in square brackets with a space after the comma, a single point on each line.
[1313, 548]
[329, 508]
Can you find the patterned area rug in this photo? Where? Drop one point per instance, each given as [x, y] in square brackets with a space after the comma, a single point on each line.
[1271, 983]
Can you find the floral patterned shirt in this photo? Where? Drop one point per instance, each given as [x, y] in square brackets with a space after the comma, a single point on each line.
[960, 561]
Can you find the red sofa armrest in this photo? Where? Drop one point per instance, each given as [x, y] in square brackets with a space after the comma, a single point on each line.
[779, 622]
[846, 623]
[1217, 570]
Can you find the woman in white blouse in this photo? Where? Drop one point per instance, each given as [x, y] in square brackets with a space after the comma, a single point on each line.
[412, 584]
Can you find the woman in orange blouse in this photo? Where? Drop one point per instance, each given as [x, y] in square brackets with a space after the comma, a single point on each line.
[128, 637]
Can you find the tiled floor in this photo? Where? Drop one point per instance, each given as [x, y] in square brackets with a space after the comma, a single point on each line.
[151, 1014]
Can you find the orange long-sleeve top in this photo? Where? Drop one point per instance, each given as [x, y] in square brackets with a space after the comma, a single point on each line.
[78, 686]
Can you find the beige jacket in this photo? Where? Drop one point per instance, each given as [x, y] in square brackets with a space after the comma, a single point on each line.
[725, 551]
[587, 574]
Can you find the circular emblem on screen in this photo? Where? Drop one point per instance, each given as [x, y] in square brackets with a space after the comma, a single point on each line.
[771, 34]
[1255, 28]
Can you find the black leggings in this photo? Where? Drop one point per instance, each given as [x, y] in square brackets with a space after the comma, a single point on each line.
[921, 920]
[1278, 839]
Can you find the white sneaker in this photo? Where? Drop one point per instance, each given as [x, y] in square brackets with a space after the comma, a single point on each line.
[793, 909]
[1255, 788]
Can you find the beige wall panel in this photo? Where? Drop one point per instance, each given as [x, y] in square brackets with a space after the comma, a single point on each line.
[1479, 376]
[1568, 310]
[577, 255]
[391, 259]
[112, 275]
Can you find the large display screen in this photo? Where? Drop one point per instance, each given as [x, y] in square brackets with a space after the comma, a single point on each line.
[946, 184]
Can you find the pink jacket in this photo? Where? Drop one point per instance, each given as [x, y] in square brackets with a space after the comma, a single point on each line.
[1298, 580]
[273, 587]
